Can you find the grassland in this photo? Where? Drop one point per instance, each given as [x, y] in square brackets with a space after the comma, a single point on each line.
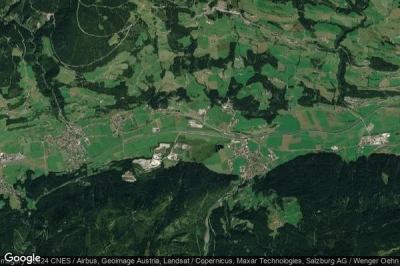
[247, 86]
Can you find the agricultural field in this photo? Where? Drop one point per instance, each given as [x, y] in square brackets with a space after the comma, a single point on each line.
[237, 87]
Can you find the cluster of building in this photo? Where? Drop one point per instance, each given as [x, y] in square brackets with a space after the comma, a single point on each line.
[150, 164]
[255, 165]
[70, 142]
[195, 124]
[375, 139]
[160, 153]
[5, 158]
[116, 124]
